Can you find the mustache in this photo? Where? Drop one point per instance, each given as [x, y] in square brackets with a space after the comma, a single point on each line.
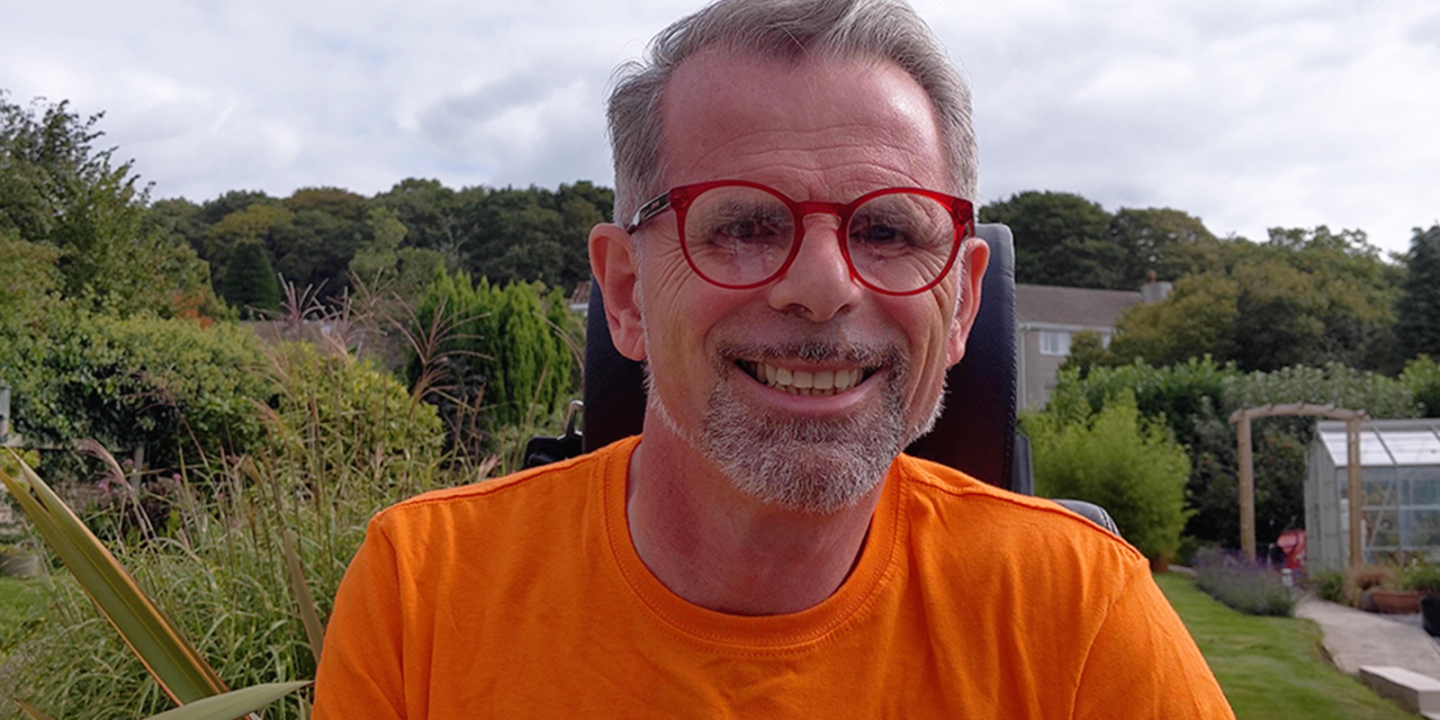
[817, 351]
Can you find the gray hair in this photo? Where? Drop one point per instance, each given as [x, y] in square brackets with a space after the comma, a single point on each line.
[788, 30]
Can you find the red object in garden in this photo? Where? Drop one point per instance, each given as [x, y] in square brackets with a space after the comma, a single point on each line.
[1293, 543]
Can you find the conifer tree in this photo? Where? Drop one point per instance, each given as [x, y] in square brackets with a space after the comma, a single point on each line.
[1419, 308]
[250, 283]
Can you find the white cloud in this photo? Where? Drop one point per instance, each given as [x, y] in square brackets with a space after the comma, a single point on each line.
[1247, 114]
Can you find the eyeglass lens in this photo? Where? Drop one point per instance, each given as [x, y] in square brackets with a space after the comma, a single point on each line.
[738, 235]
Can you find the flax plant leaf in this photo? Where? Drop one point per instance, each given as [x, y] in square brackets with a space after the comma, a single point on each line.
[31, 710]
[233, 704]
[304, 600]
[179, 669]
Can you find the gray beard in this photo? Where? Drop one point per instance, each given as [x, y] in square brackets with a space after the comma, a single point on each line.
[809, 466]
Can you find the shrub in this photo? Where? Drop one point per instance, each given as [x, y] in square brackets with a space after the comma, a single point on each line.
[178, 389]
[1131, 467]
[343, 441]
[1195, 399]
[507, 350]
[1247, 587]
[1421, 378]
[1360, 578]
[1329, 585]
[1421, 577]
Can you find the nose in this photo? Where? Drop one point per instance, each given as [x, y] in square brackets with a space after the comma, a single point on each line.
[818, 285]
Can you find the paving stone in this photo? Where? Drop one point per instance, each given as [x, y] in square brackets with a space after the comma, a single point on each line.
[1414, 692]
[1354, 639]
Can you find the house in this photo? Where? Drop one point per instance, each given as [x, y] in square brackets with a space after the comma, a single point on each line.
[1047, 317]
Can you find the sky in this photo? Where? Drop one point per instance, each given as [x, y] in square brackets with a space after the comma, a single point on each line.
[1249, 114]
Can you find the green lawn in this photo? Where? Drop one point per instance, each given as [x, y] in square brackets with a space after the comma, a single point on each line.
[22, 601]
[1271, 667]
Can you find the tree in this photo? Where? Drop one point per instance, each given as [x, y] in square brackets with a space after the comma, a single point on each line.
[1087, 349]
[505, 352]
[1419, 307]
[1196, 320]
[376, 261]
[1278, 317]
[1172, 243]
[1307, 297]
[1060, 239]
[58, 190]
[28, 276]
[250, 283]
[429, 210]
[1359, 291]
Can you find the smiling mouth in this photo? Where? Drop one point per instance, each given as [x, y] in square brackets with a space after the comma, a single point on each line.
[801, 382]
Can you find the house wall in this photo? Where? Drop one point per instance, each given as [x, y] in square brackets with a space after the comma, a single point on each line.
[1037, 371]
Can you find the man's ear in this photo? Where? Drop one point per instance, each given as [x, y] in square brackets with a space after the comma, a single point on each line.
[615, 263]
[974, 258]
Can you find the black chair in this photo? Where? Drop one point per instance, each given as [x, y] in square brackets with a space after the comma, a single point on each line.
[975, 434]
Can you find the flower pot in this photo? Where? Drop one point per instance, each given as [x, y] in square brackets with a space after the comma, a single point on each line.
[1430, 613]
[1396, 602]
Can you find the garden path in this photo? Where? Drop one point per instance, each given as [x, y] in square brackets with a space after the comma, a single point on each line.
[1354, 638]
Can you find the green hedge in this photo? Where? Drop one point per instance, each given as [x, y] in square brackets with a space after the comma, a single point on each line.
[171, 385]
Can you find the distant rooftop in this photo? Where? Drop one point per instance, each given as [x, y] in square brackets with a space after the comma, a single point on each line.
[1071, 306]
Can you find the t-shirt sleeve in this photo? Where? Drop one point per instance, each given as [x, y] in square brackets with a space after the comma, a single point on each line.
[360, 674]
[1144, 664]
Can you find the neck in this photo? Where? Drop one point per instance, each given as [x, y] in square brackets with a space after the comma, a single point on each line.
[724, 550]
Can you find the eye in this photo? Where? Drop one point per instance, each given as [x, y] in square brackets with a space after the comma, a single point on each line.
[882, 230]
[748, 225]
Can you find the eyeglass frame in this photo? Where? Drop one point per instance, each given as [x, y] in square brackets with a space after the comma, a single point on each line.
[679, 198]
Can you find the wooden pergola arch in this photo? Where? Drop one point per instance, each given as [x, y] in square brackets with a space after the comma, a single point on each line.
[1352, 418]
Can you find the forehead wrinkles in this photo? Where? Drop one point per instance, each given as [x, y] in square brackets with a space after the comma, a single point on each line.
[733, 115]
[798, 164]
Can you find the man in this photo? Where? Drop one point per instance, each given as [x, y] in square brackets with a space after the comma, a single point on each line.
[797, 268]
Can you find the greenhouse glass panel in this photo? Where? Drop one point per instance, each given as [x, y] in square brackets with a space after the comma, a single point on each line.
[1421, 528]
[1411, 447]
[1372, 450]
[1379, 492]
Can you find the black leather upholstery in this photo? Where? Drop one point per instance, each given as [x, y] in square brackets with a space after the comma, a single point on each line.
[974, 434]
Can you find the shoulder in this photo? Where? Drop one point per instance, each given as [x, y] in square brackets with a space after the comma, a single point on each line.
[933, 479]
[973, 517]
[509, 503]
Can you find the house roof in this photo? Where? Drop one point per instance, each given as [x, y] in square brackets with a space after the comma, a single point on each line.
[1071, 306]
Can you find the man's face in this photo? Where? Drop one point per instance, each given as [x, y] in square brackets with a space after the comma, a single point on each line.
[718, 358]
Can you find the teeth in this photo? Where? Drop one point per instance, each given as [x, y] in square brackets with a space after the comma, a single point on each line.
[801, 382]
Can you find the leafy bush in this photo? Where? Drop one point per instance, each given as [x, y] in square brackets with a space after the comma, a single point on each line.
[1422, 577]
[1421, 377]
[343, 441]
[1329, 585]
[173, 386]
[1131, 467]
[1196, 398]
[1380, 396]
[1247, 587]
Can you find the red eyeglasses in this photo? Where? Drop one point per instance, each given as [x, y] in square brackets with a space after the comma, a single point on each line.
[740, 235]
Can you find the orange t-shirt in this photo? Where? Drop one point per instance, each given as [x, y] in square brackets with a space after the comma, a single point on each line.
[524, 598]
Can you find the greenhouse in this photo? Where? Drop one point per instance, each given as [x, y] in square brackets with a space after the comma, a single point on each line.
[1400, 482]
